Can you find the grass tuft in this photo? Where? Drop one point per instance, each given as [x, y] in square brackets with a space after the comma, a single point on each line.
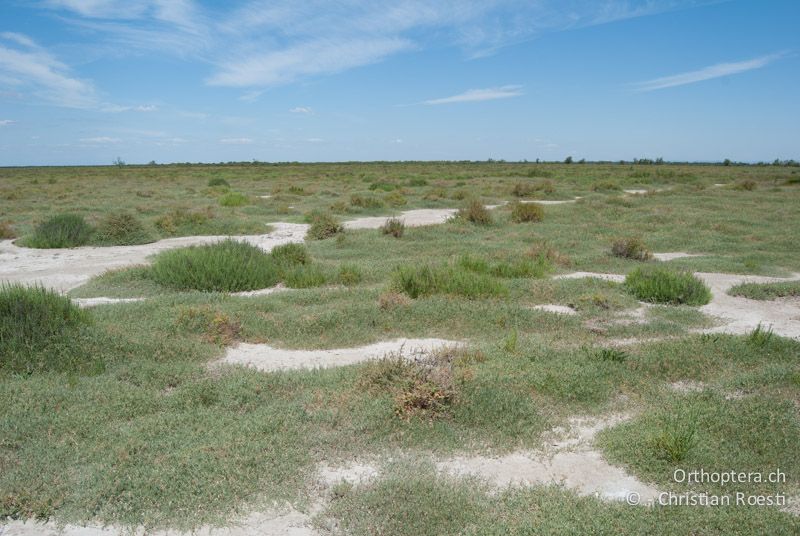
[656, 284]
[425, 280]
[766, 291]
[323, 226]
[475, 212]
[227, 266]
[6, 231]
[760, 336]
[394, 227]
[631, 248]
[526, 212]
[233, 199]
[291, 254]
[61, 231]
[613, 355]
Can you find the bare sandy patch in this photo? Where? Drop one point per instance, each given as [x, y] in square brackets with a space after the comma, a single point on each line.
[556, 309]
[268, 358]
[615, 278]
[550, 201]
[687, 386]
[569, 460]
[412, 218]
[102, 300]
[675, 255]
[64, 269]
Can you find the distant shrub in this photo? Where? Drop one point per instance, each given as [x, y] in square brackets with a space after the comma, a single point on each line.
[658, 284]
[394, 227]
[396, 199]
[384, 186]
[121, 228]
[297, 190]
[425, 280]
[323, 226]
[365, 201]
[631, 248]
[604, 185]
[746, 185]
[6, 231]
[349, 275]
[475, 212]
[183, 219]
[39, 330]
[61, 231]
[526, 212]
[226, 266]
[233, 199]
[218, 181]
[525, 189]
[290, 254]
[417, 181]
[538, 172]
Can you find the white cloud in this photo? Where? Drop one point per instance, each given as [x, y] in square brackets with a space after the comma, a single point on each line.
[101, 140]
[6, 122]
[251, 96]
[236, 141]
[302, 110]
[31, 69]
[475, 95]
[708, 73]
[315, 140]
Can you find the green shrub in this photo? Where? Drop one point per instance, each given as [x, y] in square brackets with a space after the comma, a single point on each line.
[746, 185]
[304, 276]
[365, 201]
[349, 275]
[525, 189]
[631, 248]
[218, 181]
[182, 219]
[226, 266]
[658, 284]
[475, 212]
[290, 255]
[122, 229]
[394, 227]
[396, 199]
[39, 330]
[323, 226]
[233, 199]
[605, 185]
[526, 212]
[61, 231]
[425, 280]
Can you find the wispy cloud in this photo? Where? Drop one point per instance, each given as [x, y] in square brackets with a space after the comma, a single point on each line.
[475, 95]
[236, 141]
[302, 110]
[6, 122]
[29, 69]
[100, 140]
[708, 73]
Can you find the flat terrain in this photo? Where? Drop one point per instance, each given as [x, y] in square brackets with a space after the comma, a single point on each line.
[462, 378]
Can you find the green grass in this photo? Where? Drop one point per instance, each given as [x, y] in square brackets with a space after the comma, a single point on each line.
[766, 291]
[61, 231]
[421, 281]
[227, 266]
[665, 285]
[526, 212]
[121, 229]
[233, 199]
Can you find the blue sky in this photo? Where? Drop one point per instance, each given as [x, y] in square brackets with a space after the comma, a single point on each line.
[86, 81]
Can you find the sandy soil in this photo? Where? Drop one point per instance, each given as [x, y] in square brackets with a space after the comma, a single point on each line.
[412, 218]
[616, 278]
[568, 459]
[267, 358]
[674, 255]
[550, 202]
[64, 269]
[557, 309]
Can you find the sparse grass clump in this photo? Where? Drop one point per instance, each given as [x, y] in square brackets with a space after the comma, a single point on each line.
[766, 291]
[657, 284]
[516, 267]
[675, 440]
[183, 220]
[215, 326]
[760, 336]
[61, 231]
[425, 280]
[218, 182]
[631, 248]
[391, 299]
[323, 226]
[394, 227]
[526, 212]
[614, 355]
[365, 201]
[746, 185]
[6, 231]
[233, 199]
[304, 276]
[123, 229]
[349, 275]
[525, 189]
[227, 266]
[475, 212]
[39, 330]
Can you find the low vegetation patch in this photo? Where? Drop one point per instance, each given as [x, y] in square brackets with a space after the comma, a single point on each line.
[525, 266]
[746, 185]
[614, 355]
[39, 330]
[182, 220]
[631, 248]
[526, 212]
[760, 336]
[227, 266]
[6, 231]
[290, 255]
[474, 212]
[233, 199]
[394, 227]
[218, 182]
[425, 280]
[766, 291]
[61, 231]
[526, 189]
[323, 225]
[657, 284]
[215, 326]
[365, 201]
[122, 229]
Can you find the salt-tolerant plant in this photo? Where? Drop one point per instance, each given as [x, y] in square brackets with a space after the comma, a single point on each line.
[233, 199]
[226, 266]
[631, 248]
[304, 276]
[290, 254]
[526, 212]
[61, 231]
[474, 212]
[218, 181]
[657, 284]
[394, 227]
[323, 226]
[121, 228]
